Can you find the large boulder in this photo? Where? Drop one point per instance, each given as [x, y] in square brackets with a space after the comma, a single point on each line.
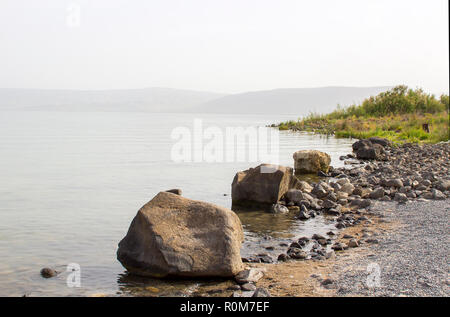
[263, 185]
[175, 236]
[311, 162]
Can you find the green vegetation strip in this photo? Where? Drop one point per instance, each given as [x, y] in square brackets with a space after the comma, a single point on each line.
[400, 115]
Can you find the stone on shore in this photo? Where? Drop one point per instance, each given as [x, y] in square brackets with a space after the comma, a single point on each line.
[263, 185]
[397, 183]
[401, 198]
[249, 276]
[311, 162]
[261, 292]
[305, 187]
[175, 236]
[377, 193]
[443, 185]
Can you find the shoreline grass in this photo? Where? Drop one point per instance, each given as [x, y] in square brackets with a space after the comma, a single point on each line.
[398, 115]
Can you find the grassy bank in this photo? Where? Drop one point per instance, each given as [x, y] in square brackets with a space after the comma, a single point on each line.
[398, 115]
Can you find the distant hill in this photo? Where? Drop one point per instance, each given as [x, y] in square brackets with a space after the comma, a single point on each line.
[145, 100]
[298, 101]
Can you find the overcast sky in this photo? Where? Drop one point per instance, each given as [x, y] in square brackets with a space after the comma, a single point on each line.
[223, 45]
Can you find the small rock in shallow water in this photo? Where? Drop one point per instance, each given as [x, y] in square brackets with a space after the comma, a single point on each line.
[317, 237]
[47, 272]
[303, 216]
[266, 259]
[279, 209]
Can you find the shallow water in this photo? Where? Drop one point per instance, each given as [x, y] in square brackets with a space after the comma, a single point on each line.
[72, 182]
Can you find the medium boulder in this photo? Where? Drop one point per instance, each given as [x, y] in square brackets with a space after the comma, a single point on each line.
[175, 236]
[263, 185]
[311, 162]
[296, 196]
[372, 152]
[370, 149]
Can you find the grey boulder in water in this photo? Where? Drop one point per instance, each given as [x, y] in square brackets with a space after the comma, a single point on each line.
[175, 236]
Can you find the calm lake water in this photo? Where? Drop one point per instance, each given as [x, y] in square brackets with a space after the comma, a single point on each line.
[72, 182]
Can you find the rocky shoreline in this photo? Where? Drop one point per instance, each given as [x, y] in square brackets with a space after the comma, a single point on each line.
[397, 174]
[406, 173]
[175, 237]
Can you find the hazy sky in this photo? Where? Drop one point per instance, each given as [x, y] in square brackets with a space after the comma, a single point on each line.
[223, 45]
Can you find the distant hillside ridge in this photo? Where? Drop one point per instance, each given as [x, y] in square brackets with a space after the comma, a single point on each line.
[141, 100]
[298, 101]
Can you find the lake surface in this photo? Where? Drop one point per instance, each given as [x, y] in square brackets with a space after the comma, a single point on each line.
[72, 182]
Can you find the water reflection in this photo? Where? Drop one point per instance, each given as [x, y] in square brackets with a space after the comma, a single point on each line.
[262, 224]
[133, 285]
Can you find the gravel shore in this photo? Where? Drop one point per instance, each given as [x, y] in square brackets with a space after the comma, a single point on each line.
[413, 260]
